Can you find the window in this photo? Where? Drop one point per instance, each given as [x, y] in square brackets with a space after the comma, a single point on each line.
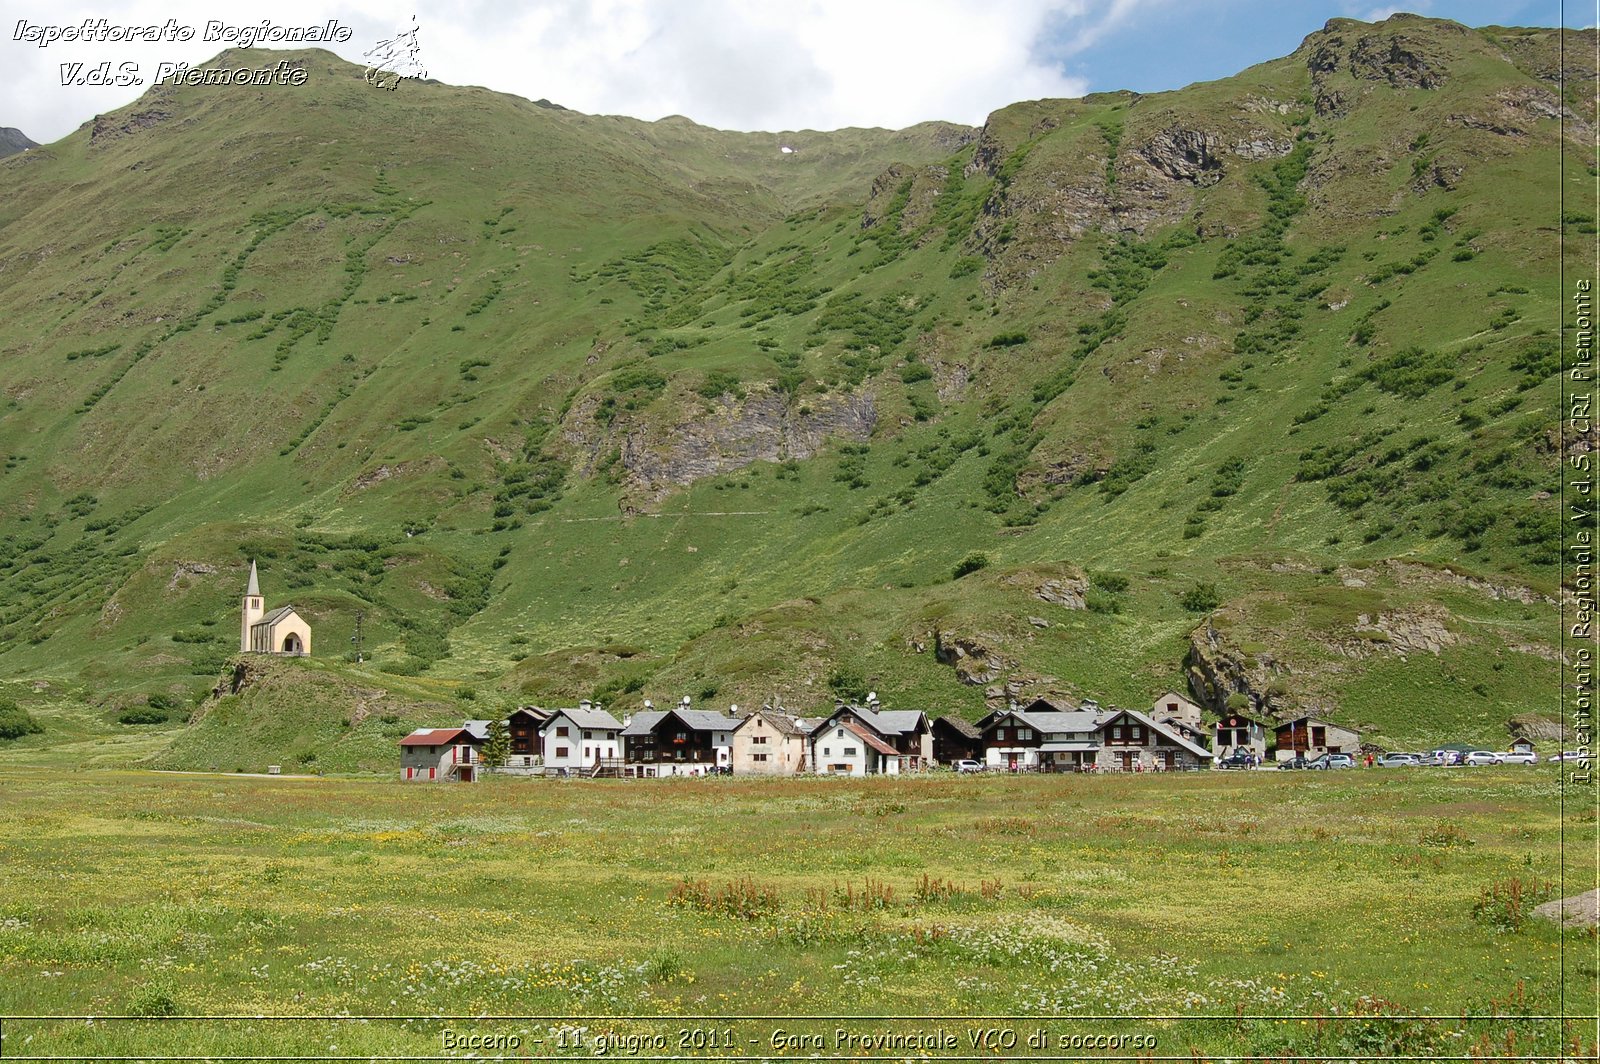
[1319, 736]
[1136, 733]
[759, 740]
[849, 751]
[411, 772]
[587, 734]
[587, 751]
[826, 752]
[839, 734]
[1116, 732]
[1000, 733]
[433, 772]
[758, 757]
[1024, 733]
[561, 751]
[561, 732]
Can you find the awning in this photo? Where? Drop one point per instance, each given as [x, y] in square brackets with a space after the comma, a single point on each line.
[1066, 748]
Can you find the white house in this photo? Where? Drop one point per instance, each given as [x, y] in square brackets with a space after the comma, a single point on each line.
[580, 738]
[681, 741]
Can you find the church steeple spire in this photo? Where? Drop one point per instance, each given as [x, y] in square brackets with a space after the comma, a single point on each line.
[254, 587]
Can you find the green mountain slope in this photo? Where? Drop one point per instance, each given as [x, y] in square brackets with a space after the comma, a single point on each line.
[1252, 386]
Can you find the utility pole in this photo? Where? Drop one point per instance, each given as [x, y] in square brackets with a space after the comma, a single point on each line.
[356, 639]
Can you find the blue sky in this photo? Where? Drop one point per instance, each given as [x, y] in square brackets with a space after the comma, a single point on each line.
[737, 64]
[1164, 46]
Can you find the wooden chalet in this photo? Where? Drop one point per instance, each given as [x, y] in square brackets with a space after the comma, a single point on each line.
[680, 741]
[1311, 737]
[956, 739]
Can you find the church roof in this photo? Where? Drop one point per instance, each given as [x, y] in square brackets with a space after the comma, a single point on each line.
[254, 587]
[274, 617]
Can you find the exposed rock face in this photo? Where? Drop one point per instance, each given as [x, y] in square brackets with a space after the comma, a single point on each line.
[972, 656]
[1395, 60]
[1068, 593]
[107, 128]
[1409, 631]
[1537, 729]
[764, 427]
[13, 140]
[1342, 48]
[1190, 155]
[1217, 670]
[183, 572]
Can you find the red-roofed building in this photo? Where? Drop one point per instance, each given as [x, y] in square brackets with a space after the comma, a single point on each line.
[440, 755]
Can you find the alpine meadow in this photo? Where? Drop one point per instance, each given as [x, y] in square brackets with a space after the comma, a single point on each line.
[1250, 391]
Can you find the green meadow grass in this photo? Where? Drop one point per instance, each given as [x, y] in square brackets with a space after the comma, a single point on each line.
[1207, 894]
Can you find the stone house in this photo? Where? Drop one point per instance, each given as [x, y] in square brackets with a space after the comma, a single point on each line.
[1133, 742]
[770, 742]
[1235, 731]
[956, 739]
[1047, 740]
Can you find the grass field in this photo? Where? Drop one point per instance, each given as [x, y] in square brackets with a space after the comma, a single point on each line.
[1241, 896]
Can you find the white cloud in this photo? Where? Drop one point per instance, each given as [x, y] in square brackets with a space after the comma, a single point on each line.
[816, 64]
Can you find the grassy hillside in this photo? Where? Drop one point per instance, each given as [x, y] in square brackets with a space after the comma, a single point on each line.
[1264, 371]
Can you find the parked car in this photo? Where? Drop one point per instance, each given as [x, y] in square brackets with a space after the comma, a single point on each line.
[1237, 759]
[1526, 757]
[1298, 761]
[1572, 755]
[1482, 757]
[1327, 761]
[967, 765]
[1398, 760]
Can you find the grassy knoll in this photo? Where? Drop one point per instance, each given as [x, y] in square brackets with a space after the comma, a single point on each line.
[1200, 894]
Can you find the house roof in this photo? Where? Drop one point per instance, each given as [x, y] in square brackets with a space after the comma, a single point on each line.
[1308, 719]
[871, 740]
[1162, 729]
[1063, 748]
[961, 726]
[780, 722]
[694, 719]
[436, 737]
[274, 617]
[479, 729]
[885, 721]
[592, 718]
[1047, 723]
[254, 586]
[1049, 705]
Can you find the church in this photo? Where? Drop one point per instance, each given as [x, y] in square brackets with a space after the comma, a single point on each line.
[283, 631]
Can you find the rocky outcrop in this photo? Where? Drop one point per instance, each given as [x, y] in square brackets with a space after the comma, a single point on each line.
[1191, 155]
[972, 655]
[1218, 669]
[1345, 48]
[765, 426]
[108, 128]
[1537, 729]
[1068, 593]
[1411, 631]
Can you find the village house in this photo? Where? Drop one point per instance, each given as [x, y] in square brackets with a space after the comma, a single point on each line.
[956, 739]
[282, 631]
[681, 741]
[868, 741]
[580, 739]
[441, 755]
[1132, 742]
[1235, 731]
[1042, 737]
[1310, 737]
[770, 742]
[1173, 708]
[522, 730]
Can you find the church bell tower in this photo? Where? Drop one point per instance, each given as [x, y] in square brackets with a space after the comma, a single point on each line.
[251, 611]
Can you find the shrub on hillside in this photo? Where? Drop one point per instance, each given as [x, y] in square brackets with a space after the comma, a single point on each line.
[1201, 598]
[142, 715]
[15, 722]
[970, 564]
